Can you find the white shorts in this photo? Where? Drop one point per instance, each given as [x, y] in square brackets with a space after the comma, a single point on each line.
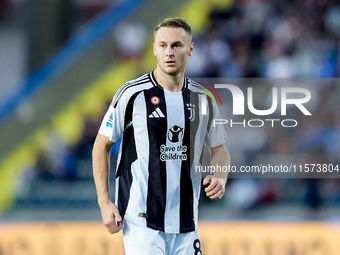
[140, 240]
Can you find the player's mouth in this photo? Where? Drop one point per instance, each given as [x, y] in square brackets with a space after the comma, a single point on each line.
[170, 62]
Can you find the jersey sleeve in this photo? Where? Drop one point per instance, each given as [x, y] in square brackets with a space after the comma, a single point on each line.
[112, 124]
[216, 134]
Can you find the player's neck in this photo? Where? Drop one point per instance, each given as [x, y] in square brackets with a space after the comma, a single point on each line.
[169, 82]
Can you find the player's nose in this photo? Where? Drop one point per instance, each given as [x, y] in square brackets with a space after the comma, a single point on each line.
[169, 51]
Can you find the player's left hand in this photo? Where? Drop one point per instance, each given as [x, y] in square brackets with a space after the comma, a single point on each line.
[216, 187]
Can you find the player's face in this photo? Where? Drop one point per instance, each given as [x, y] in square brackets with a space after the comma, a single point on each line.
[172, 47]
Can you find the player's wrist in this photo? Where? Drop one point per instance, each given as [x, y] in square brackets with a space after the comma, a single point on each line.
[222, 179]
[104, 202]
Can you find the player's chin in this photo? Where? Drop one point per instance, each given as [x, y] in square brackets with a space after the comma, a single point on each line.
[171, 70]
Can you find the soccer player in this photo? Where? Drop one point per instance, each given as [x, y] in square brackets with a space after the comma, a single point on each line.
[164, 119]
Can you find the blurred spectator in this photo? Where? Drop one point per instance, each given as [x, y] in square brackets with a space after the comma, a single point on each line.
[281, 40]
[130, 37]
[4, 5]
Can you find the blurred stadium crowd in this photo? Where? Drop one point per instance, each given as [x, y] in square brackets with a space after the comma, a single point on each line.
[251, 39]
[281, 39]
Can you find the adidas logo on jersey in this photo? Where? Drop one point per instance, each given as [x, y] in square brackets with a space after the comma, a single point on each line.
[157, 114]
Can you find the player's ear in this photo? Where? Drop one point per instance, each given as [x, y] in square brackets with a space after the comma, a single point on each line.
[191, 49]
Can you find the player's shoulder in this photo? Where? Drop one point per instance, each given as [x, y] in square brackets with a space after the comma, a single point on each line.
[194, 86]
[197, 87]
[131, 87]
[203, 89]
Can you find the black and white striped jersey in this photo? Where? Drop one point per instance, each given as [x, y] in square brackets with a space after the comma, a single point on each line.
[163, 134]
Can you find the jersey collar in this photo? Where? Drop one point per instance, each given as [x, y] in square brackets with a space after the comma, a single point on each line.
[155, 83]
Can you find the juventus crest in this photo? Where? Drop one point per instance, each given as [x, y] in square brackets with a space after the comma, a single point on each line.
[191, 108]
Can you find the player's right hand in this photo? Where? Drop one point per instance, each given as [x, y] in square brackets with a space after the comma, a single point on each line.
[111, 217]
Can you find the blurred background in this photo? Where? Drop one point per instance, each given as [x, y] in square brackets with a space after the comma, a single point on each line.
[61, 62]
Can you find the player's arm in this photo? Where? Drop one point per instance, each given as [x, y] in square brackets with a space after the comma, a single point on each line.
[101, 169]
[219, 156]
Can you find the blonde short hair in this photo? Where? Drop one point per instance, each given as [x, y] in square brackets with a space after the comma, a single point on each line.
[175, 23]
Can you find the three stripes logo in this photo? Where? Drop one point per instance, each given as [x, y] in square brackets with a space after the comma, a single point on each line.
[157, 114]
